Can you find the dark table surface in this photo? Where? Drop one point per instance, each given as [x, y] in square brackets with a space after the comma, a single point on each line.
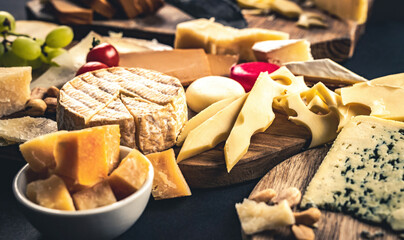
[210, 213]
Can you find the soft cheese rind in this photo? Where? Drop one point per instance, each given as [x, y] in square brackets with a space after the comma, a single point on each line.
[362, 173]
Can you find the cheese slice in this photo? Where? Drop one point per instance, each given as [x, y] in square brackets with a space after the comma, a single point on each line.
[202, 117]
[324, 70]
[356, 10]
[14, 89]
[381, 99]
[282, 51]
[212, 131]
[362, 173]
[168, 180]
[215, 38]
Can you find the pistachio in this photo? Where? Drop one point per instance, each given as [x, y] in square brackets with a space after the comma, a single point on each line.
[307, 217]
[52, 92]
[265, 195]
[35, 107]
[292, 195]
[38, 93]
[51, 103]
[302, 232]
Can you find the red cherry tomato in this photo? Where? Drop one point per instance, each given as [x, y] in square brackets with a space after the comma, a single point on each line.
[90, 66]
[105, 53]
[246, 73]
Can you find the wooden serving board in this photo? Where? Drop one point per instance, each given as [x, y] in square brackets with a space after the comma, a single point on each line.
[336, 42]
[280, 141]
[298, 171]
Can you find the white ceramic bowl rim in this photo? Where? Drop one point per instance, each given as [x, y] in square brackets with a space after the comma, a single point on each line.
[23, 199]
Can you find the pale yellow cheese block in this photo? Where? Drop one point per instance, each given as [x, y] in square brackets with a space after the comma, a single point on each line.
[96, 196]
[255, 116]
[14, 89]
[212, 131]
[282, 51]
[202, 117]
[356, 10]
[168, 180]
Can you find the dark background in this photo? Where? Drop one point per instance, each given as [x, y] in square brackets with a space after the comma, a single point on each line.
[210, 213]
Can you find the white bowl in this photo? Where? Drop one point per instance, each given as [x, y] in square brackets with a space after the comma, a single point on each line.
[100, 223]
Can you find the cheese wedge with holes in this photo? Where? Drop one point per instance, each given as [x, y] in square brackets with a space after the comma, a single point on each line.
[356, 10]
[212, 131]
[14, 89]
[168, 180]
[282, 51]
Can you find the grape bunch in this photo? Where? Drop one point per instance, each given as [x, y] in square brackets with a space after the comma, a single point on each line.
[27, 51]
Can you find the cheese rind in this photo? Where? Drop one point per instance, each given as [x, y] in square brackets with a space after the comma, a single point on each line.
[362, 173]
[14, 89]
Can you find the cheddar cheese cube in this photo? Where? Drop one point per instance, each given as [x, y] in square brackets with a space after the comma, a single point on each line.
[97, 196]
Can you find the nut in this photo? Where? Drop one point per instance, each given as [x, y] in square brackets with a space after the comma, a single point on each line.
[51, 103]
[302, 232]
[307, 217]
[38, 93]
[35, 107]
[52, 92]
[292, 195]
[265, 195]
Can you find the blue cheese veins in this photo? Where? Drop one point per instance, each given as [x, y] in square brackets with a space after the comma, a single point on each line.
[363, 173]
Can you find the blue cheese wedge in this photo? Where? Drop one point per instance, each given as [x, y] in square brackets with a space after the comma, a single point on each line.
[363, 173]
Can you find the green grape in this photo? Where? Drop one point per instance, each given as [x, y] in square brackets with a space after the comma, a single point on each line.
[39, 41]
[6, 25]
[35, 64]
[26, 48]
[59, 37]
[9, 59]
[1, 49]
[55, 52]
[43, 58]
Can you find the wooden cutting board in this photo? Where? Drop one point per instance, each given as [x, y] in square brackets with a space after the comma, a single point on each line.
[298, 171]
[336, 42]
[280, 141]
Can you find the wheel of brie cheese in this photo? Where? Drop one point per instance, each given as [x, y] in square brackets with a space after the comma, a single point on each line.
[149, 106]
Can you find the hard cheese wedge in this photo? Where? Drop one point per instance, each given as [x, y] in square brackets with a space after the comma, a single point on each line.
[255, 116]
[324, 70]
[282, 51]
[212, 131]
[38, 152]
[130, 175]
[50, 193]
[202, 117]
[168, 180]
[14, 89]
[362, 173]
[356, 10]
[96, 196]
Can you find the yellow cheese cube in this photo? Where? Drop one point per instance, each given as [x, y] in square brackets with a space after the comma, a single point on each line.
[168, 180]
[50, 193]
[97, 196]
[130, 175]
[38, 152]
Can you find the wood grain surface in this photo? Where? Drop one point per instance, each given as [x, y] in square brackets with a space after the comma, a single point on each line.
[336, 42]
[298, 171]
[280, 141]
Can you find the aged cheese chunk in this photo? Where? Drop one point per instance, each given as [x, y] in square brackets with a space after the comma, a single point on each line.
[38, 152]
[356, 10]
[362, 173]
[150, 107]
[324, 70]
[202, 117]
[185, 64]
[212, 131]
[102, 7]
[282, 51]
[218, 39]
[87, 155]
[50, 193]
[70, 13]
[14, 89]
[96, 196]
[255, 116]
[208, 90]
[381, 99]
[168, 180]
[19, 130]
[258, 216]
[130, 174]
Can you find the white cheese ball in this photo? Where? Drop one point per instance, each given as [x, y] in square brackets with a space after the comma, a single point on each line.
[207, 90]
